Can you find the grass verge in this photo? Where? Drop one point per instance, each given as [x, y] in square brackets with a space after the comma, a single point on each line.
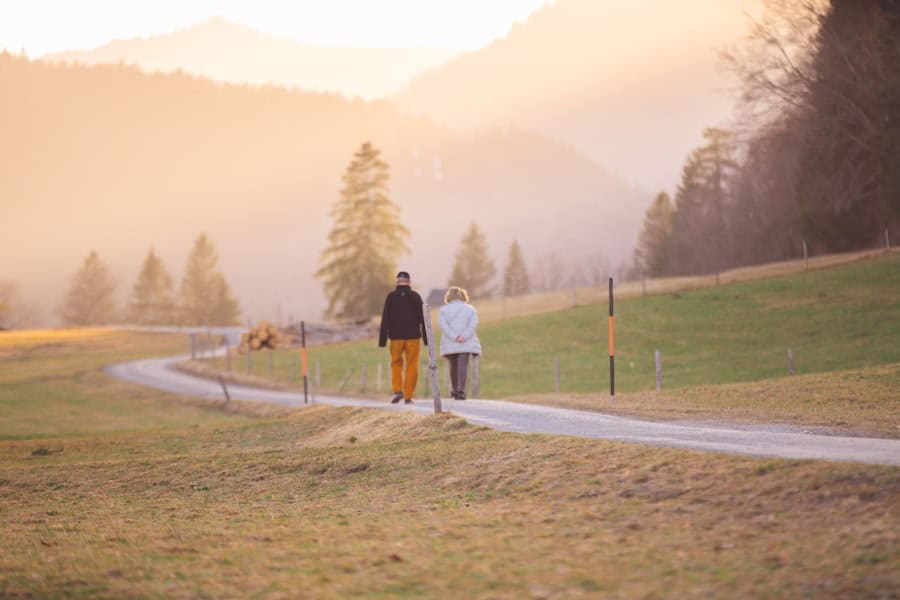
[52, 384]
[351, 502]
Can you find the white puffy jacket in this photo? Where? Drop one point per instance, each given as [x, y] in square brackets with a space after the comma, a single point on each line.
[459, 319]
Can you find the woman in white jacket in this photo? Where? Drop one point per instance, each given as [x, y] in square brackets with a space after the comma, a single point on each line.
[458, 320]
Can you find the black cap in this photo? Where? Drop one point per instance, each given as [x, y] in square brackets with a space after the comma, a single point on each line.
[403, 276]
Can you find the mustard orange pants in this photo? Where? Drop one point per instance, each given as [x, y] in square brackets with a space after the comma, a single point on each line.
[410, 350]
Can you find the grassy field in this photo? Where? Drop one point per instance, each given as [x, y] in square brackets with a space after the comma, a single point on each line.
[838, 321]
[357, 503]
[168, 499]
[52, 384]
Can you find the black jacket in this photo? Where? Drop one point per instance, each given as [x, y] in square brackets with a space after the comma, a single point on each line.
[402, 317]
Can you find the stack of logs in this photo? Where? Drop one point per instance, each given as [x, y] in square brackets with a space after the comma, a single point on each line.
[264, 336]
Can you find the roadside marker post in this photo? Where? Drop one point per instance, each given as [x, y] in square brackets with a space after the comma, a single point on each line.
[612, 353]
[432, 361]
[303, 363]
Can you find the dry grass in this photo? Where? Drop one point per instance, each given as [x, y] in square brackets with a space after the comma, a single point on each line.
[347, 502]
[858, 401]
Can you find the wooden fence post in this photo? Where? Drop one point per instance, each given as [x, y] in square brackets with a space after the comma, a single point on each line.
[658, 357]
[476, 376]
[362, 378]
[432, 362]
[556, 373]
[378, 379]
[304, 365]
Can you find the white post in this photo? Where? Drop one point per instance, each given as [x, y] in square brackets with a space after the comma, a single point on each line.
[658, 371]
[432, 361]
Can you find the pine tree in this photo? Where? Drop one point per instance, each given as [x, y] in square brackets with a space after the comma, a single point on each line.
[89, 300]
[652, 252]
[367, 239]
[515, 276]
[205, 296]
[225, 309]
[152, 300]
[699, 242]
[473, 270]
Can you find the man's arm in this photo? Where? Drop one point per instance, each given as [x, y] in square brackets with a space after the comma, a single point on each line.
[422, 321]
[383, 333]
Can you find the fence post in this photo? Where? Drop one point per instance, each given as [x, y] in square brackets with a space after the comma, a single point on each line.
[476, 376]
[378, 379]
[612, 354]
[556, 373]
[303, 366]
[790, 362]
[432, 362]
[658, 357]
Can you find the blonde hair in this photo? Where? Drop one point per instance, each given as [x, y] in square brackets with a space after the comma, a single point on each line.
[456, 293]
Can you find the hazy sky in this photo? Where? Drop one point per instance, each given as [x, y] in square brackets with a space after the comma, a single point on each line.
[43, 26]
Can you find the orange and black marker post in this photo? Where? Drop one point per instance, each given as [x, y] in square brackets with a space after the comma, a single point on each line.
[303, 361]
[612, 351]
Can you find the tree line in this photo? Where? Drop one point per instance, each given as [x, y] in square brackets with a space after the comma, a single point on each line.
[367, 240]
[203, 299]
[814, 159]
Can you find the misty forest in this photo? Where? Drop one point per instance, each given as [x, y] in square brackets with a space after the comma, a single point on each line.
[311, 200]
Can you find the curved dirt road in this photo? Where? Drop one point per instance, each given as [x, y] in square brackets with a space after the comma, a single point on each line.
[775, 441]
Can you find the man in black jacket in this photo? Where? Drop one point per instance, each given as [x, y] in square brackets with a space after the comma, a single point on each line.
[402, 322]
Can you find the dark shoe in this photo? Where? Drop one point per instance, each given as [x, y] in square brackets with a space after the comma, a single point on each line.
[396, 397]
[408, 401]
[453, 395]
[460, 395]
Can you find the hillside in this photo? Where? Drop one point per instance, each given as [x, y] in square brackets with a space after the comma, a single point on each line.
[631, 84]
[112, 159]
[229, 52]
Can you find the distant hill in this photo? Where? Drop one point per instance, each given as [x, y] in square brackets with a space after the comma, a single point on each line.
[229, 52]
[632, 84]
[113, 159]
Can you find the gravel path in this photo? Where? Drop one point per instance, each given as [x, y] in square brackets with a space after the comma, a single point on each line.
[775, 441]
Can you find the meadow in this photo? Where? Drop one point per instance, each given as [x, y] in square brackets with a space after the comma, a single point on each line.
[109, 490]
[724, 352]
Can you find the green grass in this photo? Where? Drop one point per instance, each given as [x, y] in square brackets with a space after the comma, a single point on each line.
[52, 384]
[833, 319]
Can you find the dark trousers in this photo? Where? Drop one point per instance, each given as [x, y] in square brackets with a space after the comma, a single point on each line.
[459, 366]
